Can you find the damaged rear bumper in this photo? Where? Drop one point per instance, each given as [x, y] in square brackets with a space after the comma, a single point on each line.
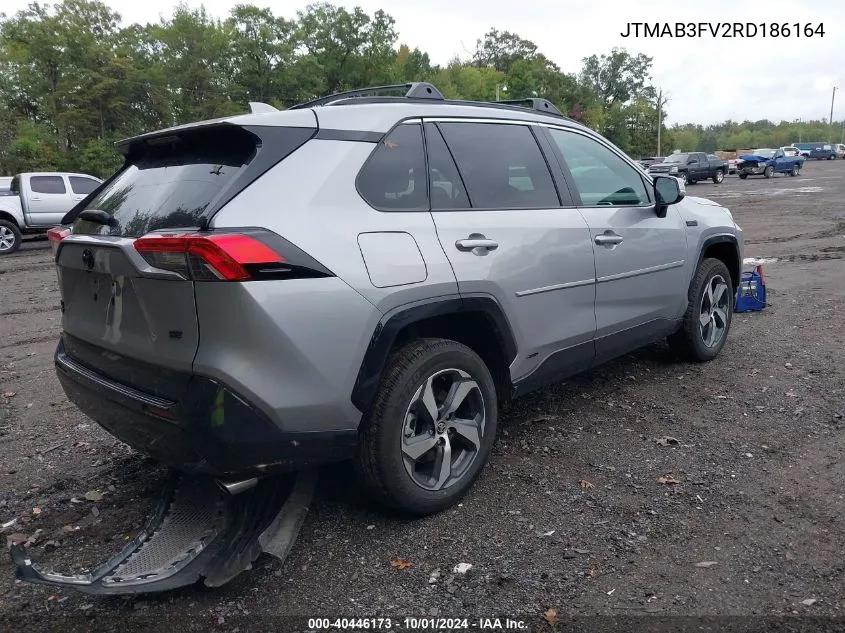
[198, 531]
[204, 427]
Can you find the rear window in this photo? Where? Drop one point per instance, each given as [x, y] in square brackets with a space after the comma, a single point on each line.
[171, 182]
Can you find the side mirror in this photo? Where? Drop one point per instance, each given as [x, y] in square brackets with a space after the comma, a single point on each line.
[667, 190]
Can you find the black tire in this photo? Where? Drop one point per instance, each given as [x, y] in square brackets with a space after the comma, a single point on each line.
[9, 229]
[743, 176]
[718, 177]
[769, 171]
[684, 178]
[688, 342]
[380, 461]
[795, 171]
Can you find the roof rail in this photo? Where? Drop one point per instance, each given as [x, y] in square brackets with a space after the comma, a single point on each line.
[541, 105]
[413, 90]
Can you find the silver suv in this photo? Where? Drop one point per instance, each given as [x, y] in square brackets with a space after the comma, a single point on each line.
[372, 277]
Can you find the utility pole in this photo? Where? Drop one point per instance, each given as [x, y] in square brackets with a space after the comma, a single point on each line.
[504, 89]
[830, 120]
[659, 117]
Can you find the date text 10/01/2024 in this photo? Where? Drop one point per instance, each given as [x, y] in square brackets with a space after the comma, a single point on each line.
[722, 29]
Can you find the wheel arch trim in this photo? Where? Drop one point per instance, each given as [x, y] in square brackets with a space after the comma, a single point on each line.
[388, 328]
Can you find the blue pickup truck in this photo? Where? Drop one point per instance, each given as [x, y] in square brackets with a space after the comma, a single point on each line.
[768, 162]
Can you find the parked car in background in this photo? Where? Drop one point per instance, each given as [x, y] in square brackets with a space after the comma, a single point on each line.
[839, 149]
[816, 151]
[791, 150]
[692, 167]
[651, 160]
[768, 162]
[732, 165]
[36, 202]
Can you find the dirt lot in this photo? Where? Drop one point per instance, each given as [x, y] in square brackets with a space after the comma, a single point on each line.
[759, 458]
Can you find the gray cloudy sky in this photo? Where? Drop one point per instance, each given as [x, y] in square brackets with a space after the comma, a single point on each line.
[708, 79]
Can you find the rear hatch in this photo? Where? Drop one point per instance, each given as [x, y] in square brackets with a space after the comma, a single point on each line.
[139, 243]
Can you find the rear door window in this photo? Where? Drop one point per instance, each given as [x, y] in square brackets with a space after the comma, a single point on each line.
[81, 185]
[447, 188]
[501, 165]
[171, 182]
[47, 184]
[394, 176]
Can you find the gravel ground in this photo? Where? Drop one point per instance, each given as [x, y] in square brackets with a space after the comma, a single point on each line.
[755, 526]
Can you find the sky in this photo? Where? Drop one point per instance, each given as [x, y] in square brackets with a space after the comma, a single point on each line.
[707, 79]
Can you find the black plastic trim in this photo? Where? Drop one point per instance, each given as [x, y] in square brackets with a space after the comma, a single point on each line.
[722, 239]
[384, 336]
[361, 136]
[557, 367]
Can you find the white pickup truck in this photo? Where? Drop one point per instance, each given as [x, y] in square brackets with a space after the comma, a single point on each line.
[36, 202]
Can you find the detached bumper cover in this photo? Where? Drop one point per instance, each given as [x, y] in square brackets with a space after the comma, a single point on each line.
[206, 429]
[198, 531]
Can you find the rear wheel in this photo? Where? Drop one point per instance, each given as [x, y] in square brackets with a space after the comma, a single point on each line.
[769, 171]
[431, 428]
[743, 176]
[795, 171]
[719, 176]
[708, 317]
[10, 237]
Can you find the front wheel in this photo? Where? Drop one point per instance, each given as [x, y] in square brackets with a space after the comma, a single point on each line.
[684, 178]
[719, 177]
[431, 427]
[795, 170]
[743, 176]
[708, 317]
[10, 237]
[769, 171]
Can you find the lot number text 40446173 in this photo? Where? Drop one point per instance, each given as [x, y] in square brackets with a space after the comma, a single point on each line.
[722, 29]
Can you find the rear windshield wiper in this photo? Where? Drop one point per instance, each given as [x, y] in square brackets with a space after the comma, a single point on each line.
[98, 216]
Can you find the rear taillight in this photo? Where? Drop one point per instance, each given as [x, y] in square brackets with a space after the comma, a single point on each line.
[56, 235]
[209, 256]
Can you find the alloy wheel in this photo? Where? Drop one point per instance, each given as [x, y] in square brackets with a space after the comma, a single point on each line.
[7, 239]
[443, 429]
[713, 314]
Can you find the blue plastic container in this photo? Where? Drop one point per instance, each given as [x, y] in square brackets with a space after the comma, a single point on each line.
[751, 293]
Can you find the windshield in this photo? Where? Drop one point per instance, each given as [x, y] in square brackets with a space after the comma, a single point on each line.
[765, 153]
[676, 158]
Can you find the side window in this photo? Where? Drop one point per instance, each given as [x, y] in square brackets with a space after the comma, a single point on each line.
[82, 186]
[601, 177]
[47, 184]
[501, 165]
[393, 178]
[447, 188]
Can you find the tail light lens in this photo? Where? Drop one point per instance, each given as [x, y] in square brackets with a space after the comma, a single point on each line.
[209, 256]
[56, 235]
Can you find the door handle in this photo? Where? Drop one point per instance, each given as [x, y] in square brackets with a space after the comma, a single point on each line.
[476, 243]
[608, 238]
[35, 198]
